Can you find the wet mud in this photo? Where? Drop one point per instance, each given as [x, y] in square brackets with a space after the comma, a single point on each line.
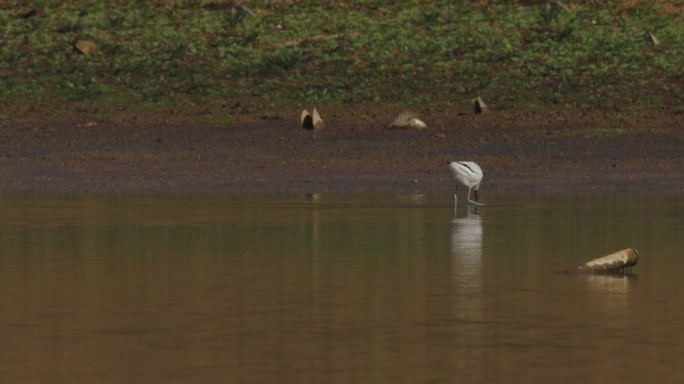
[517, 152]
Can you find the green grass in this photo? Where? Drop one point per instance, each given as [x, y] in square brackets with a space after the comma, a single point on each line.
[429, 53]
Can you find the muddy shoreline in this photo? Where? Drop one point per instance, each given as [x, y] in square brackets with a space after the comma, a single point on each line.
[518, 153]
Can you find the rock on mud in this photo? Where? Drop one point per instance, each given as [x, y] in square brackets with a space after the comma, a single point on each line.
[311, 120]
[408, 120]
[479, 106]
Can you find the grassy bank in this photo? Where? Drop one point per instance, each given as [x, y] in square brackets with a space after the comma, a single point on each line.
[184, 53]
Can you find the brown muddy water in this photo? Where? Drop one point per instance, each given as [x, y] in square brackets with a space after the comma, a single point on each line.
[338, 289]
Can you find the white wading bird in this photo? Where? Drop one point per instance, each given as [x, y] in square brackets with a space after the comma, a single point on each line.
[468, 174]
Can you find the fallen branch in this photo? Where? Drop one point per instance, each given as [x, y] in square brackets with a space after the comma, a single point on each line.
[296, 42]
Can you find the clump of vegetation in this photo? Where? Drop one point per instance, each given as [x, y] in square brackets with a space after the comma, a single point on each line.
[433, 52]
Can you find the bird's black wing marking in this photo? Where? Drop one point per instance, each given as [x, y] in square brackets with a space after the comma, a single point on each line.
[470, 169]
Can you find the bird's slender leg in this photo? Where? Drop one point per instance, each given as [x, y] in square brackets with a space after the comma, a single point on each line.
[455, 197]
[470, 201]
[476, 196]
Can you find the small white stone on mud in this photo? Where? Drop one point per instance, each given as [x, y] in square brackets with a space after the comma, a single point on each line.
[408, 120]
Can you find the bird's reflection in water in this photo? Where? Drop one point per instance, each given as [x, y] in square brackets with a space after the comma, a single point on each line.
[466, 244]
[466, 263]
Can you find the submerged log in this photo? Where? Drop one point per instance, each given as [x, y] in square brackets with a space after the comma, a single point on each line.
[620, 261]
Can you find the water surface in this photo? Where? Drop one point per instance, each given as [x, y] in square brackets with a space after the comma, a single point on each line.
[338, 289]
